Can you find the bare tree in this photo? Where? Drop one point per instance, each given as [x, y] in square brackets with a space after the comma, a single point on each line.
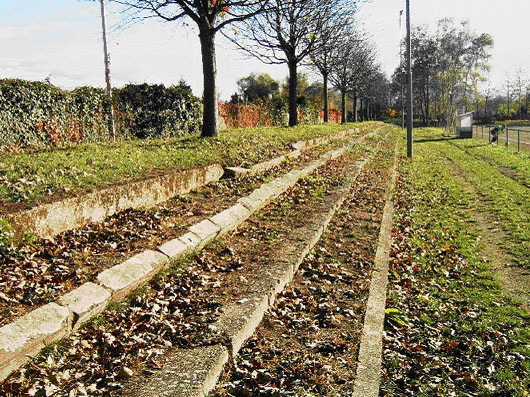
[210, 16]
[351, 65]
[285, 33]
[327, 43]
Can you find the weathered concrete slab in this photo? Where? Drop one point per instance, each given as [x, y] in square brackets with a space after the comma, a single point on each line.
[206, 230]
[311, 167]
[275, 278]
[338, 152]
[298, 145]
[86, 302]
[184, 373]
[25, 337]
[230, 218]
[239, 320]
[50, 219]
[125, 277]
[368, 374]
[267, 165]
[191, 240]
[294, 154]
[258, 198]
[173, 248]
[278, 186]
[290, 179]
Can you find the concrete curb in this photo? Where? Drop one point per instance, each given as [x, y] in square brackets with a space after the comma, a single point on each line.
[240, 320]
[198, 370]
[368, 375]
[50, 219]
[115, 283]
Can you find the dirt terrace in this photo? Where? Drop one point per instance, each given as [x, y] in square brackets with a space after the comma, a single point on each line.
[308, 342]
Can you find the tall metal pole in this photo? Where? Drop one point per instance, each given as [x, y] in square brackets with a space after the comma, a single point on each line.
[402, 76]
[402, 105]
[107, 70]
[409, 87]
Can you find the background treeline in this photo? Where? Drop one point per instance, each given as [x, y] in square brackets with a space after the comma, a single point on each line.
[39, 114]
[448, 67]
[263, 101]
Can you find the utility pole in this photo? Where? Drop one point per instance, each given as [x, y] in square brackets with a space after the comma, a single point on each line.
[107, 71]
[402, 76]
[403, 79]
[409, 87]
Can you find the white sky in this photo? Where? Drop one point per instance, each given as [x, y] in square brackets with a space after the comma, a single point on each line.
[62, 39]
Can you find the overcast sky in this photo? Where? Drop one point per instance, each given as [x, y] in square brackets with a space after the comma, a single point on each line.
[61, 39]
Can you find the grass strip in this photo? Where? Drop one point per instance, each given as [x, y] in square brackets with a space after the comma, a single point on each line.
[28, 177]
[513, 164]
[450, 329]
[506, 198]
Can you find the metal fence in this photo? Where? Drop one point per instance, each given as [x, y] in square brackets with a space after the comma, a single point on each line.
[515, 137]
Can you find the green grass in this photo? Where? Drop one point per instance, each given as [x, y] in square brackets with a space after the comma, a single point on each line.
[506, 198]
[27, 177]
[450, 278]
[516, 164]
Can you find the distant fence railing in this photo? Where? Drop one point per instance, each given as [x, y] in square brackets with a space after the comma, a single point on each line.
[514, 137]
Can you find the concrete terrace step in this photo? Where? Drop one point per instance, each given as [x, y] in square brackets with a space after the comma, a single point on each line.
[25, 337]
[239, 320]
[50, 219]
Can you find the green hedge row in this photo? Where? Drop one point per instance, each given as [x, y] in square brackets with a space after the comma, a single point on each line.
[38, 114]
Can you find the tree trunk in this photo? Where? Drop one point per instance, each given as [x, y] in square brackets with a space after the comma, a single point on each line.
[352, 109]
[326, 99]
[427, 99]
[361, 110]
[355, 108]
[209, 70]
[293, 94]
[343, 106]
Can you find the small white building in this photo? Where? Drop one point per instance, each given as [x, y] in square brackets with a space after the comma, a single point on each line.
[464, 125]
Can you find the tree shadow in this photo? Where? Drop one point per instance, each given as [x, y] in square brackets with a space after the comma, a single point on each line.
[436, 139]
[476, 146]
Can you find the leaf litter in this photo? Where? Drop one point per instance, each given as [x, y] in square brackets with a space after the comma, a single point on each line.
[175, 310]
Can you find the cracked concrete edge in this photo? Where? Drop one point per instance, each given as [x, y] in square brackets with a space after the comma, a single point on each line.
[198, 371]
[115, 283]
[368, 376]
[48, 220]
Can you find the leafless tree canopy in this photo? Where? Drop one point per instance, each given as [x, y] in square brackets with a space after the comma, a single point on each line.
[210, 17]
[286, 32]
[214, 14]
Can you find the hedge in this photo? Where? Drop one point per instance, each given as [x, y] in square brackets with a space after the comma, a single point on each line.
[39, 114]
[271, 112]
